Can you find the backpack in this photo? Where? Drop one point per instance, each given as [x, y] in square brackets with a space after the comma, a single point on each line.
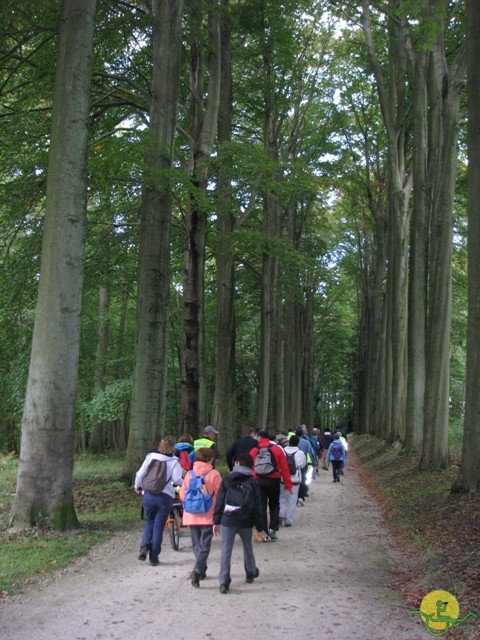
[239, 497]
[197, 499]
[156, 478]
[265, 462]
[292, 465]
[337, 450]
[185, 460]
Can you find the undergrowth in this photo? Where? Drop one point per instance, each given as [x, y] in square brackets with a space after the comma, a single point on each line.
[438, 530]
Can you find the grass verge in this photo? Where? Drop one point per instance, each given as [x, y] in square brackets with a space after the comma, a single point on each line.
[104, 506]
[438, 531]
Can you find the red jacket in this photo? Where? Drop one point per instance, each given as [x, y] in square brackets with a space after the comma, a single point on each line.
[282, 465]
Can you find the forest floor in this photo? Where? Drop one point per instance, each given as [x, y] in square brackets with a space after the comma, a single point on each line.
[354, 565]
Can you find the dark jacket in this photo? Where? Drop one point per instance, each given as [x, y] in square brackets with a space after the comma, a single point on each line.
[239, 518]
[242, 445]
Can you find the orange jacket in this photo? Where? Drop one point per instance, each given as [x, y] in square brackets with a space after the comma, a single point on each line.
[212, 482]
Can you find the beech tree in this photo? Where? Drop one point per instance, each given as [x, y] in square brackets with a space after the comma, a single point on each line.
[202, 128]
[153, 288]
[469, 479]
[44, 480]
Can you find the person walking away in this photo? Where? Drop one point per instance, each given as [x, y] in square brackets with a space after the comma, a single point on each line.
[237, 510]
[155, 479]
[241, 445]
[343, 440]
[305, 445]
[323, 446]
[200, 524]
[336, 455]
[185, 452]
[269, 465]
[288, 501]
[208, 441]
[328, 440]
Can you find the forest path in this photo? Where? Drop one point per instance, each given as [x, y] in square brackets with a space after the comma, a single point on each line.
[326, 577]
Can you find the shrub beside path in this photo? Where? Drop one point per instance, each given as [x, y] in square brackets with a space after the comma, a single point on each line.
[329, 577]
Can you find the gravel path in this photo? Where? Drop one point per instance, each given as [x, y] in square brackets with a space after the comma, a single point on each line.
[327, 577]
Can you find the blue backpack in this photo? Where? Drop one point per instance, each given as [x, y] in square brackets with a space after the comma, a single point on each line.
[337, 450]
[197, 499]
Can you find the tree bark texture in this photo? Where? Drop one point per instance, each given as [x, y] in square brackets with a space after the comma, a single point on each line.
[224, 407]
[469, 479]
[148, 407]
[44, 480]
[97, 439]
[203, 116]
[444, 88]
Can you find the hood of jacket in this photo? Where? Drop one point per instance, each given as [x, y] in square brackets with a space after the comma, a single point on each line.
[239, 470]
[201, 468]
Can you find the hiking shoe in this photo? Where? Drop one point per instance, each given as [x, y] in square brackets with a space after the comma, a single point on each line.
[273, 535]
[288, 524]
[143, 553]
[300, 502]
[223, 588]
[266, 539]
[155, 563]
[195, 579]
[202, 576]
[250, 578]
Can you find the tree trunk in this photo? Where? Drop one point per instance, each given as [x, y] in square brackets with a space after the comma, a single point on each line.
[44, 480]
[224, 398]
[393, 103]
[418, 258]
[148, 407]
[97, 440]
[469, 478]
[308, 362]
[203, 125]
[445, 89]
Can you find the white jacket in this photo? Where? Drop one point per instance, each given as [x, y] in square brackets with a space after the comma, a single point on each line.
[174, 471]
[300, 461]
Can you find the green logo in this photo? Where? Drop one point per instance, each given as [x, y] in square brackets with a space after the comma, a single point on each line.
[439, 611]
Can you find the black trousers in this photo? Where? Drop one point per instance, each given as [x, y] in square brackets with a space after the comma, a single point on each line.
[270, 494]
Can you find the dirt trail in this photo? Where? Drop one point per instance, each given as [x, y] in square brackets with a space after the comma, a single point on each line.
[327, 577]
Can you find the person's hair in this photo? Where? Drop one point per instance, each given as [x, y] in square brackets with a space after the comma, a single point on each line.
[186, 437]
[244, 459]
[299, 431]
[248, 431]
[167, 445]
[204, 454]
[336, 435]
[294, 440]
[263, 433]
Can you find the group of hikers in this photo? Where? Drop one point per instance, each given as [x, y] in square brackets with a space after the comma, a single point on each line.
[269, 477]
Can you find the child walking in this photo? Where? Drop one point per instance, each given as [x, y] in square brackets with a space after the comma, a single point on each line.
[237, 510]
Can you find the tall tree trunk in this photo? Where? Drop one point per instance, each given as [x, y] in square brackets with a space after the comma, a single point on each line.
[469, 478]
[393, 103]
[308, 362]
[97, 440]
[224, 399]
[148, 408]
[445, 89]
[203, 125]
[418, 257]
[44, 480]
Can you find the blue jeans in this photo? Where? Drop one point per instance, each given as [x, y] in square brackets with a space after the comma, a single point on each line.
[156, 510]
